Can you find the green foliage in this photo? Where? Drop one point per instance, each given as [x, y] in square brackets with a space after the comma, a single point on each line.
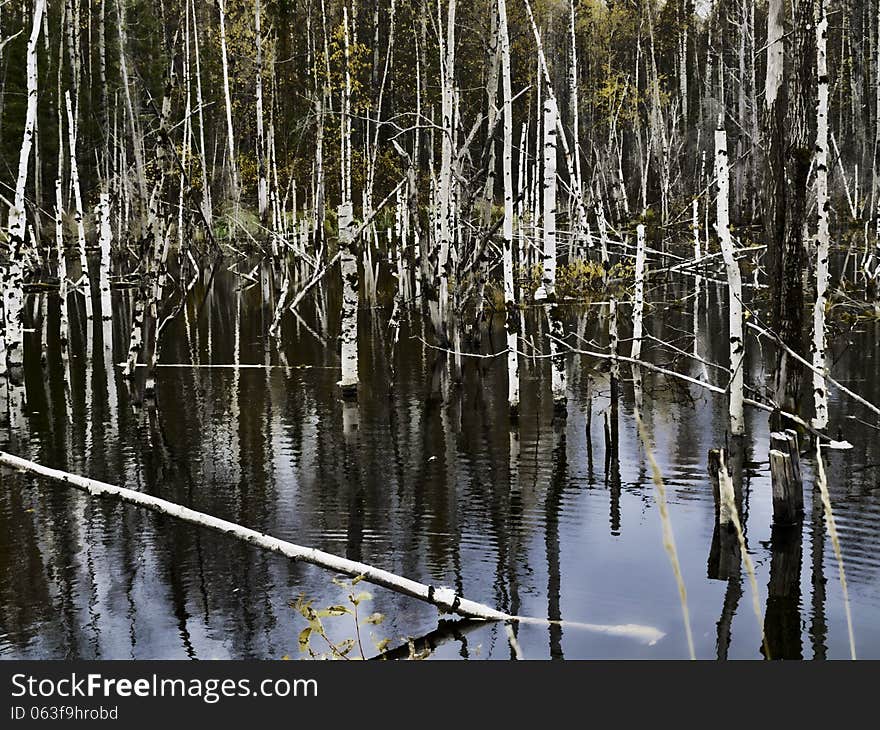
[233, 224]
[315, 627]
[578, 279]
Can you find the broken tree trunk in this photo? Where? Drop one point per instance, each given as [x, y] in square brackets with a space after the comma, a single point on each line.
[349, 268]
[785, 472]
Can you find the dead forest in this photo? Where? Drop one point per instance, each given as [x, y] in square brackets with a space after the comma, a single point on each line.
[535, 186]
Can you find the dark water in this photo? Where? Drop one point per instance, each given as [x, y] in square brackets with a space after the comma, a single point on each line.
[425, 479]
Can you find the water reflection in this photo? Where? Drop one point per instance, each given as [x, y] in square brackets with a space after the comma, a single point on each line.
[423, 475]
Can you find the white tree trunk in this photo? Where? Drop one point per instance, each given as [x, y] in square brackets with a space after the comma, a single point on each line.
[445, 196]
[12, 277]
[548, 282]
[547, 290]
[262, 183]
[206, 186]
[698, 280]
[566, 150]
[602, 225]
[230, 134]
[820, 390]
[84, 281]
[734, 282]
[613, 343]
[507, 225]
[575, 113]
[775, 51]
[349, 268]
[638, 309]
[105, 239]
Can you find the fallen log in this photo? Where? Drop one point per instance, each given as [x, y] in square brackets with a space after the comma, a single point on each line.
[443, 598]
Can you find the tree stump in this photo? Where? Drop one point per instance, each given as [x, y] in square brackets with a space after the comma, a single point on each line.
[785, 473]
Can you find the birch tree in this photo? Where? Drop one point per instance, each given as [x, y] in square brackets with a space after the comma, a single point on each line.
[12, 276]
[734, 283]
[262, 183]
[512, 321]
[84, 283]
[820, 393]
[230, 134]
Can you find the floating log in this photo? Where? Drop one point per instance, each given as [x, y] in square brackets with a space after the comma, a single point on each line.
[443, 598]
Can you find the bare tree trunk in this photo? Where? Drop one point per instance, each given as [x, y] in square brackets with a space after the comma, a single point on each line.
[734, 283]
[230, 134]
[84, 281]
[788, 286]
[105, 239]
[445, 194]
[349, 337]
[775, 102]
[12, 275]
[491, 114]
[262, 184]
[207, 208]
[820, 391]
[638, 310]
[105, 101]
[512, 321]
[548, 282]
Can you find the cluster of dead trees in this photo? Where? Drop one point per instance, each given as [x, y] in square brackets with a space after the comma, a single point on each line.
[464, 146]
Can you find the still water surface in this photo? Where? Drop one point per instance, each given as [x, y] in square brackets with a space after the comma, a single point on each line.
[425, 479]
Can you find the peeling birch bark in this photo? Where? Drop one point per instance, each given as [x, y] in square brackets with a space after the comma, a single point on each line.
[443, 598]
[349, 269]
[207, 209]
[820, 390]
[638, 310]
[548, 282]
[262, 183]
[105, 238]
[84, 281]
[734, 283]
[230, 134]
[512, 320]
[13, 274]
